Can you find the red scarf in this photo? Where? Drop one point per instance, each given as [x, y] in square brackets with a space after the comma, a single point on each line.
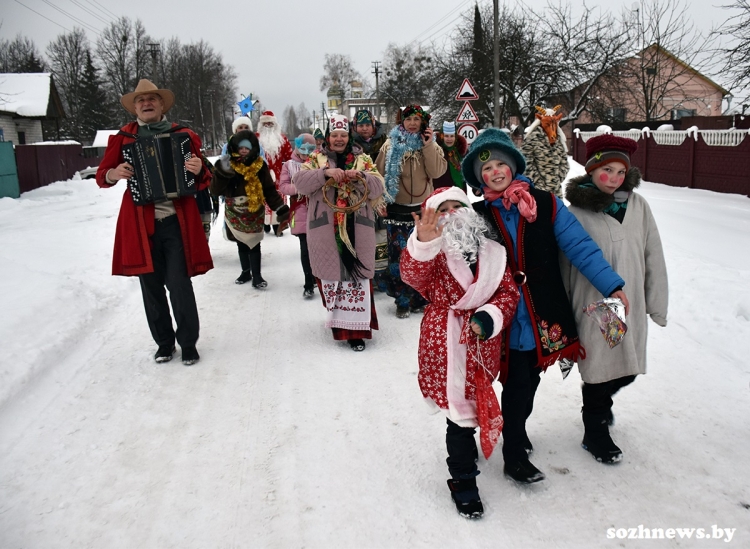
[516, 193]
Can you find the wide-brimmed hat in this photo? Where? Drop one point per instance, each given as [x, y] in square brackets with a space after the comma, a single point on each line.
[146, 86]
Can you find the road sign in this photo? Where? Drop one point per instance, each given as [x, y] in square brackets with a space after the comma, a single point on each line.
[466, 92]
[470, 132]
[467, 114]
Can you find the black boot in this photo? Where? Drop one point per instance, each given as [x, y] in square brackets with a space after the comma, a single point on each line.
[258, 281]
[245, 275]
[523, 471]
[465, 495]
[596, 438]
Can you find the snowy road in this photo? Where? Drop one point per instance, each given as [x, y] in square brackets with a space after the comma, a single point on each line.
[280, 437]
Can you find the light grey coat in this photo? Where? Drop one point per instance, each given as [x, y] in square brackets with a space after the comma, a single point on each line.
[634, 250]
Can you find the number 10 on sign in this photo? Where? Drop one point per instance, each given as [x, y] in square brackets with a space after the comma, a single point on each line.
[469, 132]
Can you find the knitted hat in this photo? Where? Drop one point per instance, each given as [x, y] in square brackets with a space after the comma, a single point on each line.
[449, 128]
[443, 194]
[338, 122]
[317, 134]
[146, 86]
[603, 149]
[363, 117]
[242, 120]
[493, 154]
[267, 116]
[491, 141]
[245, 143]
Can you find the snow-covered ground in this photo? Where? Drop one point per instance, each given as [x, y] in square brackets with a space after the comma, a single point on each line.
[281, 437]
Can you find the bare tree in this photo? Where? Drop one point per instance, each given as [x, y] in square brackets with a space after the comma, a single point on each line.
[68, 55]
[407, 76]
[338, 71]
[20, 55]
[289, 125]
[736, 53]
[660, 79]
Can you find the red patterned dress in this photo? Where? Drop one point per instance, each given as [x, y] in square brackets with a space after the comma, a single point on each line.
[456, 369]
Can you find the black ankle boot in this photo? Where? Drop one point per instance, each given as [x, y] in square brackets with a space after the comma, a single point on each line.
[465, 495]
[596, 438]
[246, 274]
[524, 472]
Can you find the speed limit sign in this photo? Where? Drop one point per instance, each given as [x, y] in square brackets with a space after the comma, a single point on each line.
[469, 131]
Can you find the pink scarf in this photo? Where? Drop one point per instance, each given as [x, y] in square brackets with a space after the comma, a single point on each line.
[516, 193]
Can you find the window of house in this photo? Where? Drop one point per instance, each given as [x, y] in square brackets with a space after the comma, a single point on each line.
[681, 113]
[617, 114]
[21, 138]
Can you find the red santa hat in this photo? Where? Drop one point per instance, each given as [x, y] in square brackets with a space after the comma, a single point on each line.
[444, 194]
[267, 116]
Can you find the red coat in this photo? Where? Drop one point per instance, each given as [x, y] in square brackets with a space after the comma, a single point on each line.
[456, 370]
[135, 224]
[275, 163]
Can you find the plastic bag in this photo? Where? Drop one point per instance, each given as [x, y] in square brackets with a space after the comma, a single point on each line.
[609, 314]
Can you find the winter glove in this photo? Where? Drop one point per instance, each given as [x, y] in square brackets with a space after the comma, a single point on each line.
[484, 321]
[282, 214]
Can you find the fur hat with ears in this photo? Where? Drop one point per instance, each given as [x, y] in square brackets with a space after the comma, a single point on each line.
[267, 116]
[443, 194]
[233, 147]
[146, 86]
[242, 120]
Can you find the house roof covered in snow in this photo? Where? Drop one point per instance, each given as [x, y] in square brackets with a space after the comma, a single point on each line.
[31, 95]
[102, 137]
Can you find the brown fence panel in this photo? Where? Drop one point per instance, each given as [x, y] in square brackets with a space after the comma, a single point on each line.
[40, 165]
[723, 169]
[668, 164]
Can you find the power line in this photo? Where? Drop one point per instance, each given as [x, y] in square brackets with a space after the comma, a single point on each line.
[97, 16]
[102, 8]
[84, 24]
[428, 29]
[45, 17]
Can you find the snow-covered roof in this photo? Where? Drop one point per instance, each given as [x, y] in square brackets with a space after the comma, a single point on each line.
[25, 94]
[102, 137]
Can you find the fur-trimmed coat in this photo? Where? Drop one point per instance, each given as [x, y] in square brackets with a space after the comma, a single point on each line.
[634, 250]
[456, 369]
[546, 165]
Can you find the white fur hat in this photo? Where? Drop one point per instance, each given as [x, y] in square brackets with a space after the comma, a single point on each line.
[338, 122]
[443, 194]
[242, 120]
[267, 116]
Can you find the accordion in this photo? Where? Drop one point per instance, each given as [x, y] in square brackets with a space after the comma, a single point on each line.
[159, 171]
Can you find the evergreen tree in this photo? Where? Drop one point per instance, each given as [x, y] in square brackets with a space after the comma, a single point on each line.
[94, 114]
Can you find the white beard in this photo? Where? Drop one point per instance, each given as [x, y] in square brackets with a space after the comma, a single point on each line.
[464, 234]
[271, 140]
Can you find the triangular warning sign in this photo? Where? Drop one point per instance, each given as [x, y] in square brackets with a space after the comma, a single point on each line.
[466, 92]
[467, 114]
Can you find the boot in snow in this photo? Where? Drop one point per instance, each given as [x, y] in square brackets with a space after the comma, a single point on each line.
[596, 438]
[245, 275]
[258, 281]
[465, 495]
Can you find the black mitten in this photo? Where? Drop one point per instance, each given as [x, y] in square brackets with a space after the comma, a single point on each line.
[282, 214]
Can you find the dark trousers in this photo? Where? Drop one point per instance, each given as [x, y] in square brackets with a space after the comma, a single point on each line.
[462, 451]
[170, 270]
[517, 402]
[597, 397]
[304, 256]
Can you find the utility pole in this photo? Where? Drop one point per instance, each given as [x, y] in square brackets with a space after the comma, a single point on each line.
[496, 61]
[213, 122]
[376, 72]
[153, 49]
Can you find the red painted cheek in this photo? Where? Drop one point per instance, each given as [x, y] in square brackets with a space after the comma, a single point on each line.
[486, 177]
[603, 178]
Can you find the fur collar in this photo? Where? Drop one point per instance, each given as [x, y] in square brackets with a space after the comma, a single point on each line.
[593, 199]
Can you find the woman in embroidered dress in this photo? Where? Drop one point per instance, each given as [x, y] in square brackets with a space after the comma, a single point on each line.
[620, 221]
[342, 241]
[454, 147]
[535, 226]
[242, 177]
[472, 298]
[409, 160]
[304, 144]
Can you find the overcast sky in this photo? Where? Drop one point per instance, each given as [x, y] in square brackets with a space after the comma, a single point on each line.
[277, 47]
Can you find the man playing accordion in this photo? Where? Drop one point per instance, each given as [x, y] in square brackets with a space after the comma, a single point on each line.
[162, 242]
